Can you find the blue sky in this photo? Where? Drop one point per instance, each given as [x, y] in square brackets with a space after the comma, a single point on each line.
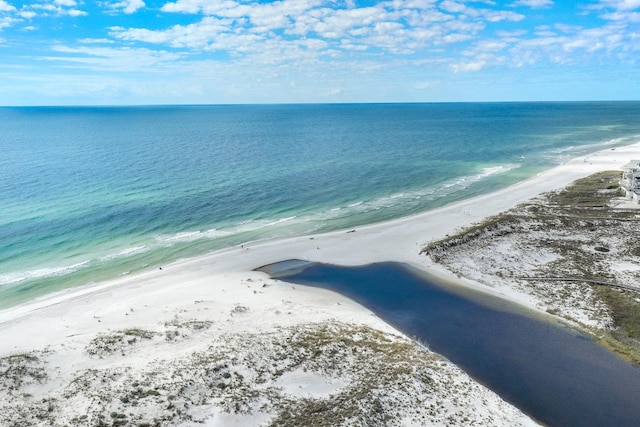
[74, 52]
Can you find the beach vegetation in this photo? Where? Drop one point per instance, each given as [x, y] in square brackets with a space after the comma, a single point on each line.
[239, 309]
[593, 191]
[107, 344]
[625, 310]
[561, 248]
[20, 369]
[177, 328]
[365, 377]
[140, 333]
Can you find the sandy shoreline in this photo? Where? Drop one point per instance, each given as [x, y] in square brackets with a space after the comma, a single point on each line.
[221, 290]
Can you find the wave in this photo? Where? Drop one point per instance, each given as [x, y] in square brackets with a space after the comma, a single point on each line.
[272, 227]
[135, 250]
[445, 189]
[190, 236]
[403, 198]
[255, 225]
[559, 155]
[40, 273]
[50, 272]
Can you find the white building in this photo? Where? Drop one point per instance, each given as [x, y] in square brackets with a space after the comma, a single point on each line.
[630, 181]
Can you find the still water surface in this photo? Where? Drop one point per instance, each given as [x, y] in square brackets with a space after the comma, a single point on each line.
[554, 373]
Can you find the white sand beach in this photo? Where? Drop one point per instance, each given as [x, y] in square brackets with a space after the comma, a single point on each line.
[79, 351]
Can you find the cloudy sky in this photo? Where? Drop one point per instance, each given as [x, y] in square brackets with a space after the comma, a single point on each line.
[64, 52]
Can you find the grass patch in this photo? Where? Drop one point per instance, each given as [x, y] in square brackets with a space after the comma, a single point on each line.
[594, 191]
[496, 225]
[625, 310]
[140, 333]
[106, 344]
[358, 376]
[19, 369]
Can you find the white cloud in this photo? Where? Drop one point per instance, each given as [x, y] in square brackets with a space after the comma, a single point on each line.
[427, 84]
[468, 66]
[621, 4]
[632, 17]
[395, 26]
[184, 6]
[452, 6]
[618, 10]
[234, 26]
[490, 46]
[6, 7]
[200, 35]
[454, 38]
[73, 12]
[300, 40]
[128, 6]
[95, 41]
[336, 24]
[65, 3]
[571, 45]
[315, 44]
[503, 16]
[27, 14]
[259, 12]
[7, 22]
[111, 58]
[57, 8]
[534, 4]
[510, 34]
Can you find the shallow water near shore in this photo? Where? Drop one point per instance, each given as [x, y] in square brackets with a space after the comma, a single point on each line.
[93, 193]
[553, 373]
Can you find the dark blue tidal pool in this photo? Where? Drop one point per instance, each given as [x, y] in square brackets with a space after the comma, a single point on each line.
[556, 374]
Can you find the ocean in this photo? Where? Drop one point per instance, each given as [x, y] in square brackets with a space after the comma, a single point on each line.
[94, 193]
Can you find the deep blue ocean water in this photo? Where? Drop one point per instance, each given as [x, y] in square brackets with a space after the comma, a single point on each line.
[92, 193]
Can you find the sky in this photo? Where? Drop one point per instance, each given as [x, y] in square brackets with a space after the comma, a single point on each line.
[132, 52]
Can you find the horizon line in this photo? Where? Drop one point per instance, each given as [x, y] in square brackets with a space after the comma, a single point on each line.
[249, 104]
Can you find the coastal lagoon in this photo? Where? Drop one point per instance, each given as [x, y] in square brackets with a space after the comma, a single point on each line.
[94, 193]
[553, 373]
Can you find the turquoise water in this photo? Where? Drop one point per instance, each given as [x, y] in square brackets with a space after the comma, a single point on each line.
[90, 194]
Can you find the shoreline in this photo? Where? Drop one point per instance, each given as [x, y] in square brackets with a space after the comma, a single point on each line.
[361, 245]
[223, 290]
